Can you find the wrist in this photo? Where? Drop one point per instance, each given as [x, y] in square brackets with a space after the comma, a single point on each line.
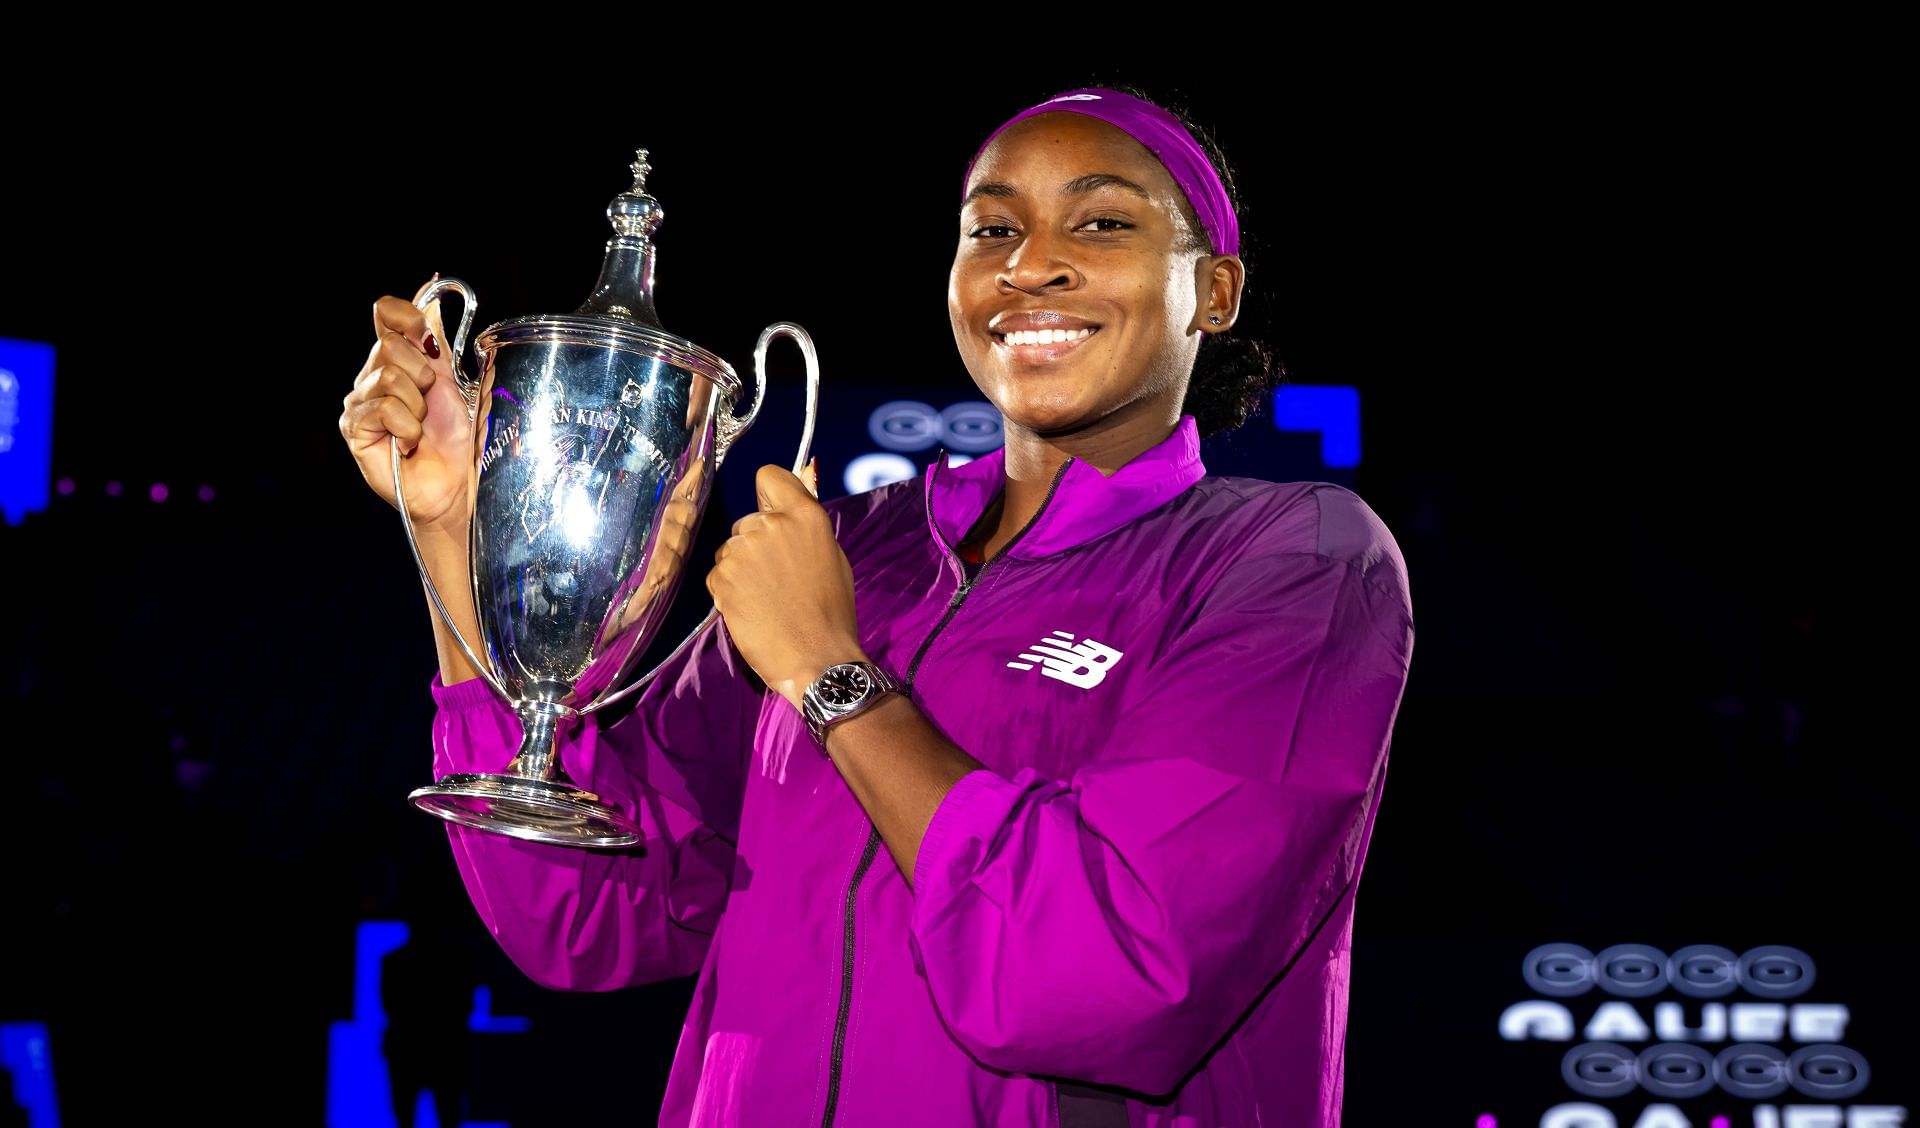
[889, 701]
[443, 537]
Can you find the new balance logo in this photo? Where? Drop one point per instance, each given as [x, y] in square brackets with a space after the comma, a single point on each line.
[1084, 663]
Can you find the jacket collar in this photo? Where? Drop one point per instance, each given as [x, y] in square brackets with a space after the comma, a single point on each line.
[1085, 503]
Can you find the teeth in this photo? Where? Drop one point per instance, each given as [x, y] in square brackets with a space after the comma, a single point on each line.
[1046, 336]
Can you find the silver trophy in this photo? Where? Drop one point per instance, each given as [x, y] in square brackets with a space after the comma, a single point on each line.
[597, 437]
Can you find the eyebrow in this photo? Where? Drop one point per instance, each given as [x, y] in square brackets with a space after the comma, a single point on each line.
[1078, 186]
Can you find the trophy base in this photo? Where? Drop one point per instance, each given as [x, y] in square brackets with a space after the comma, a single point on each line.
[555, 813]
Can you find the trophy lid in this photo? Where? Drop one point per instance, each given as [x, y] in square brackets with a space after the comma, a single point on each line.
[619, 312]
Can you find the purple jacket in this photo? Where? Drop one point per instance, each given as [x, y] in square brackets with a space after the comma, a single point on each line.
[1140, 913]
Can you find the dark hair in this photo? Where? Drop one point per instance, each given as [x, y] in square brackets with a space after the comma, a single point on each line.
[1232, 375]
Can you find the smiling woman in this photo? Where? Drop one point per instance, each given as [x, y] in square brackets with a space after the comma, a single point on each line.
[1231, 375]
[1051, 797]
[1073, 306]
[1090, 297]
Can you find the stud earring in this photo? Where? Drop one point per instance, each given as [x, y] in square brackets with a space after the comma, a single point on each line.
[1215, 320]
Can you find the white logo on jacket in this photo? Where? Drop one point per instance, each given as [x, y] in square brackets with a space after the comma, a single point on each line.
[1084, 663]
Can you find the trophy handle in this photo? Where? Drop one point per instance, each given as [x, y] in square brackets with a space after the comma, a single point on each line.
[470, 390]
[728, 429]
[469, 386]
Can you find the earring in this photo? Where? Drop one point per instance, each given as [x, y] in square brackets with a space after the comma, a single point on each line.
[1215, 320]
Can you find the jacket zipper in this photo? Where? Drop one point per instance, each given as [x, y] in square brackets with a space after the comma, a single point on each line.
[873, 834]
[846, 976]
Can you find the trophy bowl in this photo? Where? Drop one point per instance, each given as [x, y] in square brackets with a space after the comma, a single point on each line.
[597, 436]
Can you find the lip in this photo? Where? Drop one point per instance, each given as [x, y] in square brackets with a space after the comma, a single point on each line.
[1008, 321]
[1039, 354]
[1037, 319]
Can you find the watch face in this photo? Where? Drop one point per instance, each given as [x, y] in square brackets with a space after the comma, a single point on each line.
[844, 685]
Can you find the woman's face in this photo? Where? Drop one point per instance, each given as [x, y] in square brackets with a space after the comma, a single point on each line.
[1053, 236]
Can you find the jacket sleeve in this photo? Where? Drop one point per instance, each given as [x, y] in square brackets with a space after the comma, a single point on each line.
[593, 920]
[1112, 928]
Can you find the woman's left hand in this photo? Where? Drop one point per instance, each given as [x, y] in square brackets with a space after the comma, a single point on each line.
[784, 587]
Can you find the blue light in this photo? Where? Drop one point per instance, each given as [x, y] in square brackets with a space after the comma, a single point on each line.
[484, 1021]
[875, 469]
[26, 427]
[25, 1052]
[356, 1068]
[357, 1081]
[1333, 410]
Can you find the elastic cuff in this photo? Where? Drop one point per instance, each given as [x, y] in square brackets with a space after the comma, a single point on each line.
[943, 819]
[469, 694]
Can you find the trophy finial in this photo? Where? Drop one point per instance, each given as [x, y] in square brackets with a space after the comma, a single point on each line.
[625, 289]
[635, 212]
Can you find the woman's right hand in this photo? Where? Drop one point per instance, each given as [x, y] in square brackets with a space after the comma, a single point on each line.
[407, 391]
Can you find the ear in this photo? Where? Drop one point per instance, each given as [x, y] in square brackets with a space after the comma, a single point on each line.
[1217, 284]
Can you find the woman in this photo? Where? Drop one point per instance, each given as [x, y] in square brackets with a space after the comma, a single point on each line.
[1094, 861]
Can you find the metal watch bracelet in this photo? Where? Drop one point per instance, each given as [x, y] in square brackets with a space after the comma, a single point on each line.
[843, 690]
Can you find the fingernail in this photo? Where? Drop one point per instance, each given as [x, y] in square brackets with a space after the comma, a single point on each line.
[435, 278]
[431, 346]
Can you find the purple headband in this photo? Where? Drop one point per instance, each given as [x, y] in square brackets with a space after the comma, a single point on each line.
[1164, 137]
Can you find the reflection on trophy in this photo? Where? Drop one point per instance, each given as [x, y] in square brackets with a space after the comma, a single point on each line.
[597, 437]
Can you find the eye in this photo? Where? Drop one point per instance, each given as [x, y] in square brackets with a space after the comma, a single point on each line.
[1001, 230]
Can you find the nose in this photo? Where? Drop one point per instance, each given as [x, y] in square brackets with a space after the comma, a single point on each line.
[1042, 261]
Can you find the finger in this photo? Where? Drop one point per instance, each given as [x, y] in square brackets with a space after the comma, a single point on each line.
[393, 416]
[811, 476]
[348, 420]
[748, 522]
[355, 414]
[399, 352]
[382, 378]
[369, 421]
[394, 380]
[400, 315]
[779, 489]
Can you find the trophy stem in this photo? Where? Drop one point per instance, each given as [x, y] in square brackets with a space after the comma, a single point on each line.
[540, 723]
[533, 799]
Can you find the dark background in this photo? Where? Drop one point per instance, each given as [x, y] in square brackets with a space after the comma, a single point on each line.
[1610, 411]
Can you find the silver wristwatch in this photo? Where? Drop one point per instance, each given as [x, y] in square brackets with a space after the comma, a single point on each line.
[846, 689]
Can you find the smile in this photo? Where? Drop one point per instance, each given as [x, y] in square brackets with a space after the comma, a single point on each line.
[1041, 346]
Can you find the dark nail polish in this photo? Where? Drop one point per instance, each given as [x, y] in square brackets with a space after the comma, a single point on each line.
[432, 346]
